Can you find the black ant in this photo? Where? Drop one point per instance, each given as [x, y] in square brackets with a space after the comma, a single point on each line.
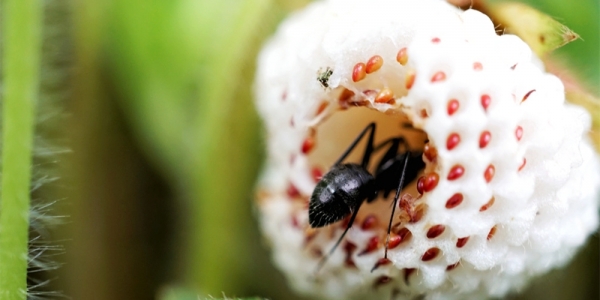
[343, 189]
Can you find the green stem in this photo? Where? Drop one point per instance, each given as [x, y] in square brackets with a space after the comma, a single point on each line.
[22, 40]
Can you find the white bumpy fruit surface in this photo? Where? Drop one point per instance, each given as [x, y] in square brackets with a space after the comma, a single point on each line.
[510, 187]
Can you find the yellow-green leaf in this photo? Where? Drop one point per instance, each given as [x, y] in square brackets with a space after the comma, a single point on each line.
[541, 32]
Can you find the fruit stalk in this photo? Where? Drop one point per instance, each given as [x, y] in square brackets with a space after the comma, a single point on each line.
[22, 39]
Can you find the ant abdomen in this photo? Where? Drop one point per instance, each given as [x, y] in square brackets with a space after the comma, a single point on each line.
[340, 192]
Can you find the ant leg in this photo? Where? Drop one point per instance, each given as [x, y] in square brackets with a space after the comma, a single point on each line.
[324, 258]
[389, 166]
[387, 240]
[396, 142]
[390, 155]
[368, 148]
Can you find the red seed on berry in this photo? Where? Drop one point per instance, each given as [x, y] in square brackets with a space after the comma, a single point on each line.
[452, 106]
[523, 164]
[369, 222]
[439, 76]
[527, 96]
[317, 174]
[295, 222]
[359, 72]
[308, 144]
[435, 231]
[427, 182]
[491, 233]
[519, 133]
[484, 139]
[489, 173]
[292, 191]
[454, 201]
[394, 241]
[488, 204]
[384, 96]
[382, 280]
[383, 261]
[404, 235]
[452, 141]
[402, 56]
[456, 172]
[345, 96]
[430, 254]
[410, 79]
[461, 242]
[374, 64]
[485, 101]
[453, 266]
[372, 245]
[322, 107]
[429, 152]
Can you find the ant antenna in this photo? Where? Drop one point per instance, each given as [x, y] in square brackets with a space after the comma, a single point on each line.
[387, 240]
[324, 258]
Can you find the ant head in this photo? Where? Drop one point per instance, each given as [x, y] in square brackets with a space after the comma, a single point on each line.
[326, 206]
[341, 191]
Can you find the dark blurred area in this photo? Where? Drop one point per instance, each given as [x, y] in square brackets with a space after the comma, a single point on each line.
[149, 115]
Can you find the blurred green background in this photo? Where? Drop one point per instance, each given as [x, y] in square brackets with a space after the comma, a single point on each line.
[146, 117]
